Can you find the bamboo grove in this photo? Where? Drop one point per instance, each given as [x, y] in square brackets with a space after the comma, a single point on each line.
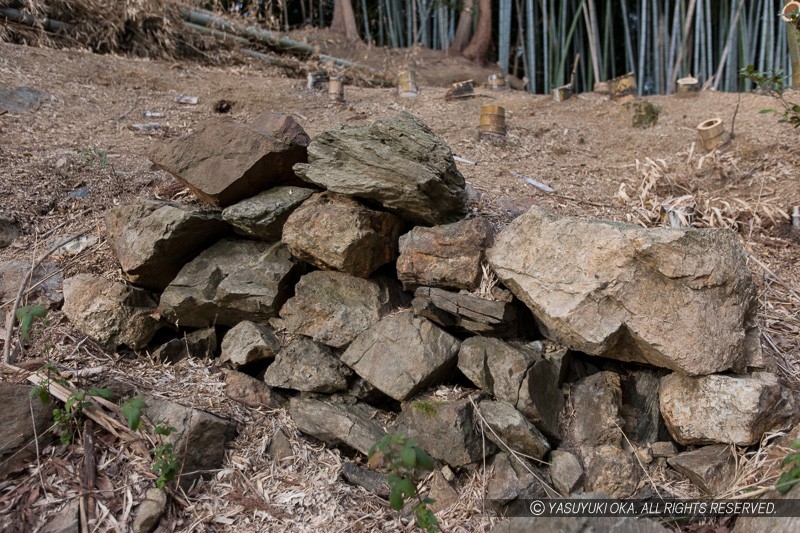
[658, 40]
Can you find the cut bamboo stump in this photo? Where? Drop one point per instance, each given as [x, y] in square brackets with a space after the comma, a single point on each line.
[789, 15]
[687, 87]
[407, 84]
[562, 93]
[623, 88]
[712, 133]
[336, 90]
[493, 121]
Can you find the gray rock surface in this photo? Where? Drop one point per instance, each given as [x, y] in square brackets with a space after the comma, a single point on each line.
[712, 468]
[247, 342]
[338, 423]
[250, 391]
[788, 523]
[263, 215]
[566, 472]
[308, 366]
[17, 447]
[334, 308]
[233, 280]
[150, 511]
[110, 312]
[724, 409]
[444, 429]
[447, 256]
[46, 282]
[201, 343]
[594, 418]
[223, 162]
[397, 162]
[495, 318]
[640, 407]
[335, 232]
[611, 470]
[621, 291]
[510, 429]
[371, 480]
[152, 240]
[428, 354]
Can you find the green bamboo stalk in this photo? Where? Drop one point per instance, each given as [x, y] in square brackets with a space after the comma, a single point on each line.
[590, 18]
[530, 38]
[736, 9]
[629, 54]
[546, 44]
[504, 34]
[367, 35]
[640, 73]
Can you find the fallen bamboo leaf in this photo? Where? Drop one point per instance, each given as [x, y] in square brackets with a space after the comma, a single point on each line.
[536, 183]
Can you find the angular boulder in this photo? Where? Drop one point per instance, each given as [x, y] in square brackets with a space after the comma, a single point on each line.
[22, 417]
[594, 406]
[263, 216]
[724, 409]
[247, 342]
[251, 392]
[335, 232]
[510, 429]
[566, 472]
[681, 299]
[444, 429]
[517, 375]
[337, 423]
[334, 308]
[110, 312]
[223, 162]
[45, 284]
[428, 354]
[308, 366]
[397, 162]
[447, 256]
[494, 318]
[712, 468]
[153, 240]
[611, 470]
[233, 280]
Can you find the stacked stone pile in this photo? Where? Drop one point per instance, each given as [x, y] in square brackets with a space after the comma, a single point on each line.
[347, 279]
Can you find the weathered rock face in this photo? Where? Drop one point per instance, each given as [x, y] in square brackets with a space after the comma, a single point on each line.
[724, 409]
[263, 215]
[512, 429]
[566, 472]
[517, 375]
[17, 445]
[334, 308]
[224, 162]
[428, 354]
[199, 436]
[337, 423]
[495, 318]
[111, 313]
[509, 478]
[595, 420]
[247, 342]
[251, 392]
[712, 468]
[640, 407]
[397, 162]
[334, 232]
[447, 256]
[678, 299]
[149, 511]
[444, 429]
[308, 366]
[201, 343]
[233, 280]
[46, 281]
[153, 240]
[611, 470]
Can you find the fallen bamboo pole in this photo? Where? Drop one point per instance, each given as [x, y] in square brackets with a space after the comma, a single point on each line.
[24, 18]
[221, 35]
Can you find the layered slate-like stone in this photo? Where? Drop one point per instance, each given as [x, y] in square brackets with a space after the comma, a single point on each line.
[681, 299]
[469, 312]
[712, 468]
[109, 312]
[510, 429]
[335, 232]
[447, 256]
[233, 280]
[263, 215]
[223, 162]
[153, 240]
[308, 366]
[248, 342]
[396, 162]
[334, 308]
[724, 409]
[444, 429]
[517, 375]
[402, 355]
[337, 423]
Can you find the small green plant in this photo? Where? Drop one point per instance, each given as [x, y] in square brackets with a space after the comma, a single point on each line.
[165, 460]
[405, 463]
[771, 83]
[790, 477]
[132, 409]
[70, 418]
[27, 315]
[94, 155]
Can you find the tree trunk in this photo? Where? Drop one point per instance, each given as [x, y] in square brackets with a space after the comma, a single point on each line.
[478, 48]
[464, 28]
[344, 20]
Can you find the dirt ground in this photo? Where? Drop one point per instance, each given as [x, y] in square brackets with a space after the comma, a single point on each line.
[63, 164]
